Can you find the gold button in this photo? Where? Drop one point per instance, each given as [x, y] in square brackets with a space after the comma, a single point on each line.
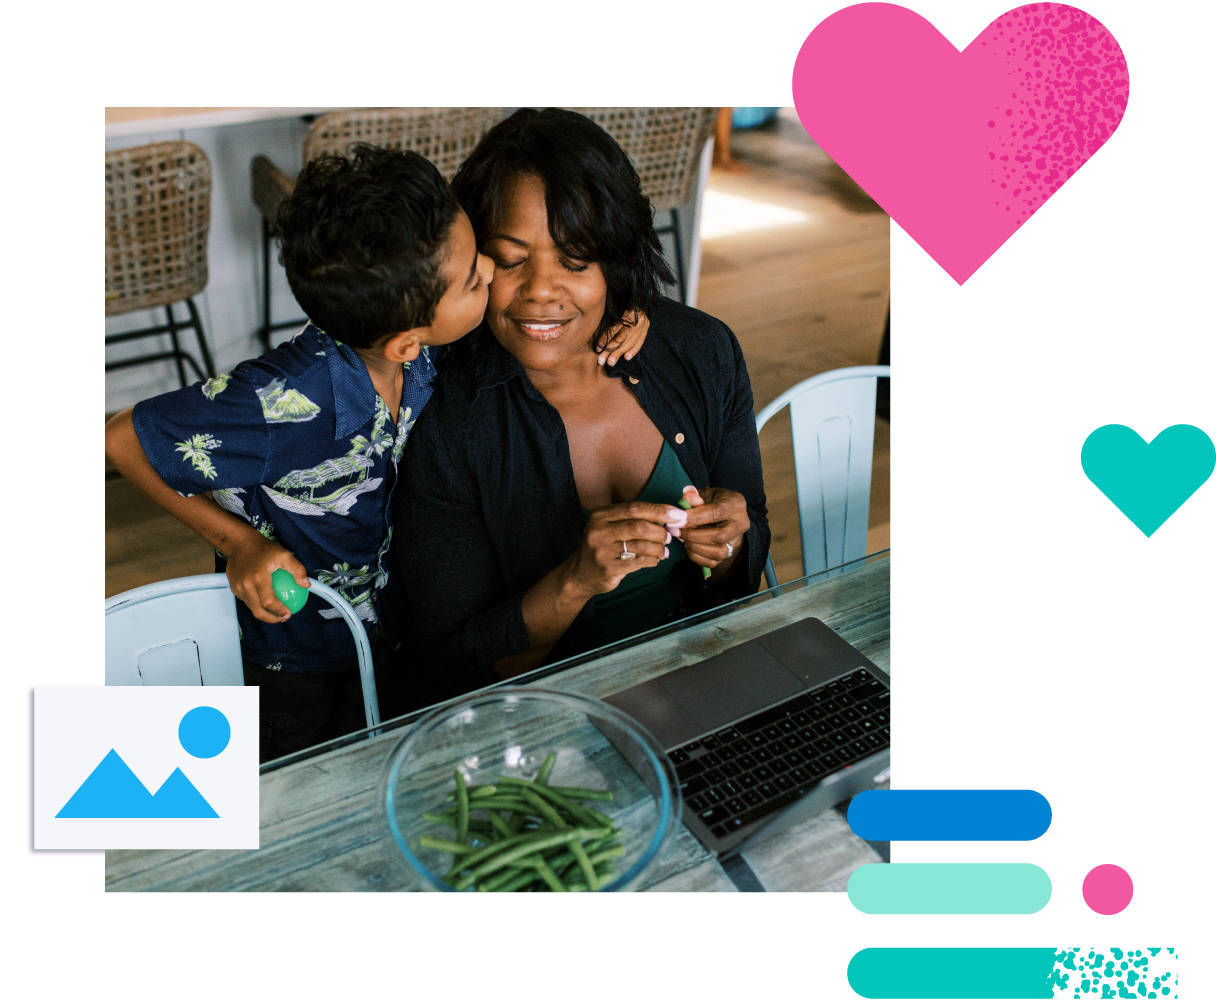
[633, 380]
[679, 439]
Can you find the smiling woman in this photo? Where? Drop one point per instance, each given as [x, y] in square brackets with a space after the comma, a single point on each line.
[543, 486]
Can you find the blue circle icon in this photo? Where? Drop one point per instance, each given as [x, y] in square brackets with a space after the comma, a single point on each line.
[204, 732]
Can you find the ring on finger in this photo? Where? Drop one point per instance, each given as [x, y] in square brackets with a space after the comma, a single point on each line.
[730, 550]
[625, 553]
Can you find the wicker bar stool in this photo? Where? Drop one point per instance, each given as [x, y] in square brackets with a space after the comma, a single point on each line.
[665, 146]
[158, 213]
[445, 136]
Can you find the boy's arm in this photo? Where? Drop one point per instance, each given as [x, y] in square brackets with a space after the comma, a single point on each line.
[251, 557]
[626, 338]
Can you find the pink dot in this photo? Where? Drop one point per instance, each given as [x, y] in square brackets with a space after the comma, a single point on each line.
[1107, 889]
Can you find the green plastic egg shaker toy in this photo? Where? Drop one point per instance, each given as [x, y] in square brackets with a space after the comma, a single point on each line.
[287, 590]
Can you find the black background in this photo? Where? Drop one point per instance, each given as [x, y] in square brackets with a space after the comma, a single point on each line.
[1042, 640]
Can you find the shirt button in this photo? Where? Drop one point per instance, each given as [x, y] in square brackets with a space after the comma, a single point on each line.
[679, 439]
[633, 380]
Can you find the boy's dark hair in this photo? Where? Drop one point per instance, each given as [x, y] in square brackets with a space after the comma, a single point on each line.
[361, 238]
[597, 211]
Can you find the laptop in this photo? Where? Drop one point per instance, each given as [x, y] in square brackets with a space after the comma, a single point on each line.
[770, 733]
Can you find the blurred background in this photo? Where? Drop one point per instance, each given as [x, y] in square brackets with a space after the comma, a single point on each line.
[765, 231]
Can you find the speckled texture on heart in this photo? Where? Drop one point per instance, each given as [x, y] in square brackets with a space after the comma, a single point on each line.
[961, 148]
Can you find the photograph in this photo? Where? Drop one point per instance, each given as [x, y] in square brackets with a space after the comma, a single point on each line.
[534, 465]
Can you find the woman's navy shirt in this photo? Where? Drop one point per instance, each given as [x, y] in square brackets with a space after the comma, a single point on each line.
[489, 497]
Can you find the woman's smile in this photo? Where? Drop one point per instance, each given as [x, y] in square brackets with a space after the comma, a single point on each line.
[541, 329]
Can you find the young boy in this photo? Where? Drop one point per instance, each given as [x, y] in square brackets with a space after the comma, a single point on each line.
[299, 448]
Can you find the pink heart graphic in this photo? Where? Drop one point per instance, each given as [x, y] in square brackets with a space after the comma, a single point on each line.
[960, 148]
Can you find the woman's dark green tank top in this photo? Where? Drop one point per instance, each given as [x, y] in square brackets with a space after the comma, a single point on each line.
[647, 598]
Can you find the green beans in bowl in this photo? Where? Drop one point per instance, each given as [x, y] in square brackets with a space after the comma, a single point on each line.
[523, 789]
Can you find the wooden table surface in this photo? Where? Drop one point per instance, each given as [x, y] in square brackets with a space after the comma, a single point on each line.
[321, 828]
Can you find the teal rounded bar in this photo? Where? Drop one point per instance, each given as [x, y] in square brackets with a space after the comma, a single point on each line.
[947, 973]
[949, 888]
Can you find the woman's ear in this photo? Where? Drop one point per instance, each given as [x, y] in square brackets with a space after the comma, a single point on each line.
[404, 346]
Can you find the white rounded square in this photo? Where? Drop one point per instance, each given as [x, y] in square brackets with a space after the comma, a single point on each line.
[145, 767]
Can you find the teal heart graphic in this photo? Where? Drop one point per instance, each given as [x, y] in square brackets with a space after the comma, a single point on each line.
[1148, 482]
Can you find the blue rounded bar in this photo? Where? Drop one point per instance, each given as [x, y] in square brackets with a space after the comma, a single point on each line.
[950, 815]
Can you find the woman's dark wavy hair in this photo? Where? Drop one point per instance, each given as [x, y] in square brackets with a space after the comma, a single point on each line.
[597, 211]
[362, 239]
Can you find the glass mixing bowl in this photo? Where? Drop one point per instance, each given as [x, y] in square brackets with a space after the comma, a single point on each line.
[509, 732]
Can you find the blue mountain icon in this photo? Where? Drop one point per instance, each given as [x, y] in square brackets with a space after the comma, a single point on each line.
[113, 791]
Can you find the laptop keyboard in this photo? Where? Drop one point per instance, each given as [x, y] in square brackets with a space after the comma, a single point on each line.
[760, 764]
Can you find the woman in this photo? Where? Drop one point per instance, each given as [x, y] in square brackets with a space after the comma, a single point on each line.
[541, 488]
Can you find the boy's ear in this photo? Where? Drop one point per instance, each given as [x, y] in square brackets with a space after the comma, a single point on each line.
[404, 346]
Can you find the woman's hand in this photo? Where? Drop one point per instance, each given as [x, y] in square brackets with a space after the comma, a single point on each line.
[639, 531]
[717, 525]
[626, 338]
[251, 561]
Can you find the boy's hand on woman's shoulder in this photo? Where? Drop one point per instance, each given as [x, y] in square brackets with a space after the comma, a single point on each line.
[251, 561]
[625, 339]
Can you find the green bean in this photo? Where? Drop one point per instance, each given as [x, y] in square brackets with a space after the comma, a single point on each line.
[533, 836]
[566, 857]
[601, 871]
[494, 881]
[498, 847]
[475, 825]
[580, 813]
[509, 880]
[521, 880]
[584, 863]
[546, 769]
[498, 802]
[590, 794]
[475, 792]
[437, 844]
[496, 857]
[544, 809]
[462, 808]
[612, 852]
[590, 817]
[546, 873]
[499, 825]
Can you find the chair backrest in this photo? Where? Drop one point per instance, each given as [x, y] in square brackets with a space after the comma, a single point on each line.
[445, 136]
[184, 632]
[832, 420]
[664, 144]
[158, 213]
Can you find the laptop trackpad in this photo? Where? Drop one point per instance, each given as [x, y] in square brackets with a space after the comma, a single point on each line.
[731, 685]
[658, 712]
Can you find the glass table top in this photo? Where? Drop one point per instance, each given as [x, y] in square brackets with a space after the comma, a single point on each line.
[549, 670]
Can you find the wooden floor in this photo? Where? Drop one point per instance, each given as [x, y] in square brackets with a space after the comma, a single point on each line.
[802, 298]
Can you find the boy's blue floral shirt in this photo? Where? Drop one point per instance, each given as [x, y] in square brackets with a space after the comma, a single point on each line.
[299, 444]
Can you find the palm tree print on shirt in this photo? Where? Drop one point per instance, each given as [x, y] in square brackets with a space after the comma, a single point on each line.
[346, 581]
[381, 438]
[197, 450]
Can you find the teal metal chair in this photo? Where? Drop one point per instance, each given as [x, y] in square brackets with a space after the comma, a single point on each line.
[832, 419]
[183, 632]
